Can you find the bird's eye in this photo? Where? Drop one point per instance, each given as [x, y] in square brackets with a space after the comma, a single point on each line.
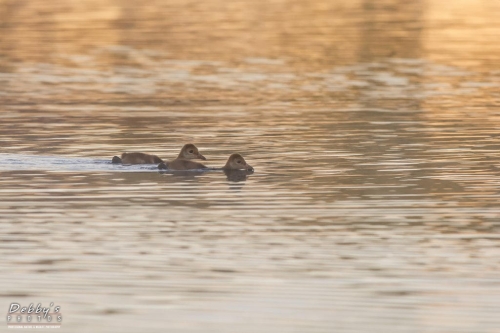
[238, 161]
[191, 151]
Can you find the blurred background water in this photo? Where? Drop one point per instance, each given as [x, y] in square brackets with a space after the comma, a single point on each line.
[373, 127]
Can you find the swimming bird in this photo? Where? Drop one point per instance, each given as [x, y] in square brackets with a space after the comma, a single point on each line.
[237, 162]
[188, 152]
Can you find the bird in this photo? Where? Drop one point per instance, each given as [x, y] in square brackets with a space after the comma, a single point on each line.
[188, 152]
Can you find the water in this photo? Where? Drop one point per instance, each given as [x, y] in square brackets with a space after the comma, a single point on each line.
[372, 127]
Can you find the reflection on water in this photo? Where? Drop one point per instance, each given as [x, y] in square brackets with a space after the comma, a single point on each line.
[372, 127]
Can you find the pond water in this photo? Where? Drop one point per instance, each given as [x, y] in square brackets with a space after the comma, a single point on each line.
[373, 128]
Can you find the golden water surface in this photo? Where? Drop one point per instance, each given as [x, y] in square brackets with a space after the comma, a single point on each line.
[372, 125]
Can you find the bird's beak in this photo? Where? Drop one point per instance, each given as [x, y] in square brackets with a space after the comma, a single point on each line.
[249, 168]
[200, 156]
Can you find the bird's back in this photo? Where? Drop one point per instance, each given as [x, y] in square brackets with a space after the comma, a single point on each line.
[140, 158]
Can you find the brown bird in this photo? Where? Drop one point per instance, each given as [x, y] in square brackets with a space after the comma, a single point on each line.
[235, 162]
[184, 160]
[188, 152]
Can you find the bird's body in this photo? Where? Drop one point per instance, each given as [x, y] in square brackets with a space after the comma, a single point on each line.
[140, 158]
[181, 164]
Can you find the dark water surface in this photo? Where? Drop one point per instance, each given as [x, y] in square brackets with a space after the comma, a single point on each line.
[373, 128]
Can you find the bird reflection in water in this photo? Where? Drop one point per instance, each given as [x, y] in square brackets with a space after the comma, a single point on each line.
[237, 175]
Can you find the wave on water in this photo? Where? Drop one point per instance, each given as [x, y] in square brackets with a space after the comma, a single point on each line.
[12, 162]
